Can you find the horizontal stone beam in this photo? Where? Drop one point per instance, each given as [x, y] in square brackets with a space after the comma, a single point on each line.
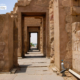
[75, 10]
[74, 73]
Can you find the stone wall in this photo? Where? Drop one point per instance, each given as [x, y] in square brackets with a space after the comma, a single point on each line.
[75, 12]
[76, 46]
[66, 13]
[62, 33]
[51, 29]
[6, 43]
[15, 40]
[31, 21]
[65, 32]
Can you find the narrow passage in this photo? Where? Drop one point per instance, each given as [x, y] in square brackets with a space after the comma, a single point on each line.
[33, 67]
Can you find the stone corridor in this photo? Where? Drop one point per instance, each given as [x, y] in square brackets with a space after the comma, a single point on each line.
[33, 67]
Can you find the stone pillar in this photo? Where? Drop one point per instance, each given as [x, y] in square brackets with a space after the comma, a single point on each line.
[62, 33]
[47, 36]
[44, 36]
[6, 43]
[15, 39]
[41, 36]
[19, 35]
[51, 28]
[56, 34]
[25, 37]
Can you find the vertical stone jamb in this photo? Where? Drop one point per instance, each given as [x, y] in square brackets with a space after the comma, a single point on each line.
[19, 35]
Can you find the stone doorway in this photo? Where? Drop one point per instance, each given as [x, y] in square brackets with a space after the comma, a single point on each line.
[32, 30]
[32, 22]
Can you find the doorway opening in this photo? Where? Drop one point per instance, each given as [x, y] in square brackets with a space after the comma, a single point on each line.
[33, 42]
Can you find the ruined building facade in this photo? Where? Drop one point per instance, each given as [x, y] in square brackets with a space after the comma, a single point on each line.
[57, 23]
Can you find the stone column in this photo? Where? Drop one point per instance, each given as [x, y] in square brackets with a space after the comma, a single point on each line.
[62, 33]
[19, 35]
[47, 36]
[44, 36]
[25, 37]
[51, 28]
[41, 36]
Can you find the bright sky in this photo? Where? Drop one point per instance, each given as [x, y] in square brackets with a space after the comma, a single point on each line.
[33, 37]
[10, 5]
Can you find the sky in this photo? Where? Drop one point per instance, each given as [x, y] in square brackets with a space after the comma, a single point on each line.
[33, 37]
[9, 4]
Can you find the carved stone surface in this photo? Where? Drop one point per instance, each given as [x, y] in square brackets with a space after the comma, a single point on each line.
[51, 28]
[76, 46]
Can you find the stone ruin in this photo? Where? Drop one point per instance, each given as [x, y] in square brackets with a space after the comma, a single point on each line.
[58, 27]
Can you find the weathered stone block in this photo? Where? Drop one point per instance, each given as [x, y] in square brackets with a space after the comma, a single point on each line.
[75, 10]
[76, 46]
[6, 43]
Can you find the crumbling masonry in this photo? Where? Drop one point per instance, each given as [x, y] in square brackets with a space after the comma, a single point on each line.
[57, 23]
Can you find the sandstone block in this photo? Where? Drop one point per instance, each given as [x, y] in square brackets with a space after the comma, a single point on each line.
[75, 10]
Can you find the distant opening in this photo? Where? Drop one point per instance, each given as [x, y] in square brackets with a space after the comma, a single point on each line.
[33, 40]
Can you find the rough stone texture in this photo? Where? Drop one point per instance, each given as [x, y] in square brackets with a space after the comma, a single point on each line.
[76, 46]
[51, 30]
[53, 23]
[6, 43]
[75, 35]
[15, 41]
[75, 10]
[65, 13]
[62, 32]
[19, 35]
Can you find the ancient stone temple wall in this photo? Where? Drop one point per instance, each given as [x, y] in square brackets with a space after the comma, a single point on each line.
[35, 8]
[6, 43]
[66, 13]
[62, 33]
[65, 33]
[15, 41]
[51, 30]
[75, 12]
[76, 46]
